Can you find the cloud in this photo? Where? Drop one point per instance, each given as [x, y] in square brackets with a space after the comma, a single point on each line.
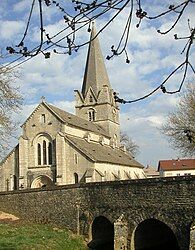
[9, 29]
[20, 6]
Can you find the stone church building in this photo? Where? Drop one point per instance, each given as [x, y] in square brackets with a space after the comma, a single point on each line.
[58, 148]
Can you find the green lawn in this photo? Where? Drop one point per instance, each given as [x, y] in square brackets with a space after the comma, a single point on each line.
[38, 237]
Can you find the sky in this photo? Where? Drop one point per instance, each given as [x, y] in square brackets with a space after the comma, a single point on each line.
[152, 58]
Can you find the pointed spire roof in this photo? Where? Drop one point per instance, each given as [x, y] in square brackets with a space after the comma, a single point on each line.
[95, 71]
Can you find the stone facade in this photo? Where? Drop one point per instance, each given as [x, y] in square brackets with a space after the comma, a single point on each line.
[58, 148]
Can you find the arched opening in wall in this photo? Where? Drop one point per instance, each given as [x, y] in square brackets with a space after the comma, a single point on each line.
[76, 178]
[102, 234]
[42, 181]
[152, 234]
[44, 149]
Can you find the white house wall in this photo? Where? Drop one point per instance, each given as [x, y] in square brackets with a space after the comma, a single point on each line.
[177, 173]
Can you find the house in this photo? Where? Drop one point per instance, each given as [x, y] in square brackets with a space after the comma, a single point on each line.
[178, 167]
[151, 172]
[58, 148]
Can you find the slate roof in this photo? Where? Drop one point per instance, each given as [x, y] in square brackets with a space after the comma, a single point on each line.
[76, 121]
[97, 152]
[179, 164]
[7, 156]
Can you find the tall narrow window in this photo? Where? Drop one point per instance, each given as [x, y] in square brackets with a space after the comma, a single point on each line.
[50, 153]
[43, 118]
[75, 158]
[39, 153]
[15, 184]
[91, 115]
[44, 153]
[90, 118]
[76, 178]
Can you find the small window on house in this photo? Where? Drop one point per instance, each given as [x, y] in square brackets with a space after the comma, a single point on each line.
[43, 118]
[76, 178]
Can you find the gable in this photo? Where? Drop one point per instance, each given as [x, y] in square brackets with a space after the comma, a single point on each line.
[35, 116]
[90, 97]
[41, 120]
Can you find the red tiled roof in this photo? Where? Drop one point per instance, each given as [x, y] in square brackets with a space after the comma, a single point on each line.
[179, 164]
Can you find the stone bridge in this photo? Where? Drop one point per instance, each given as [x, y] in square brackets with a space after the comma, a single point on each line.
[135, 214]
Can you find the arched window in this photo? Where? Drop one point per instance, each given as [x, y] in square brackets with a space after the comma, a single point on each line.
[50, 153]
[39, 153]
[91, 115]
[44, 150]
[76, 178]
[44, 153]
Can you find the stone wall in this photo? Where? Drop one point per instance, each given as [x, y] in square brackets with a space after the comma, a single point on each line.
[170, 200]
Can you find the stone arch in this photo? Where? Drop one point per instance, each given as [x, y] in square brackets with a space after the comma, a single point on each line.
[35, 139]
[43, 148]
[102, 234]
[153, 234]
[42, 181]
[91, 114]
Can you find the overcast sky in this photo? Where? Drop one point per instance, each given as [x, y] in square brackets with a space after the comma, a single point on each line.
[152, 56]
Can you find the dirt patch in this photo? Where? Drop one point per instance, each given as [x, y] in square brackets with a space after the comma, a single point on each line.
[6, 216]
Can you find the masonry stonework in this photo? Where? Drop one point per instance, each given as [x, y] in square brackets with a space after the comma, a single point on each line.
[170, 200]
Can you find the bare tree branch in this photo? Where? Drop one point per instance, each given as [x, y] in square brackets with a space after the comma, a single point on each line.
[130, 145]
[10, 102]
[81, 16]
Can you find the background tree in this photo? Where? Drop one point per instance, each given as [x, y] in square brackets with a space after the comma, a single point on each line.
[10, 102]
[79, 15]
[130, 145]
[180, 124]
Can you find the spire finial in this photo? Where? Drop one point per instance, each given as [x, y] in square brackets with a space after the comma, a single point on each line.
[42, 98]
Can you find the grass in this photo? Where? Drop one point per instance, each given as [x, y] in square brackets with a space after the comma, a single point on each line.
[20, 236]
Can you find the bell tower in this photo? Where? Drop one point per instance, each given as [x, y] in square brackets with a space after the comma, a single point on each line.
[95, 102]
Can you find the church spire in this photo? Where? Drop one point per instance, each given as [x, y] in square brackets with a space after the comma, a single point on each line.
[96, 102]
[95, 75]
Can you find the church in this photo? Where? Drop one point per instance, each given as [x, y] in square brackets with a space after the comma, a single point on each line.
[59, 148]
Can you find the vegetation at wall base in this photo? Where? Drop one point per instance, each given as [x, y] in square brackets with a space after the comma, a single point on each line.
[23, 236]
